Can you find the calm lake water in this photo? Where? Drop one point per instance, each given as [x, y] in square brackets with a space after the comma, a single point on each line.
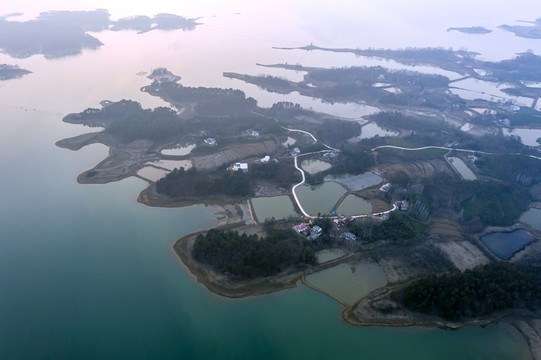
[87, 272]
[505, 244]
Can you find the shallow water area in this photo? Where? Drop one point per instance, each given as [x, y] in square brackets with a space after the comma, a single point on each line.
[278, 207]
[314, 166]
[320, 198]
[505, 244]
[349, 282]
[472, 89]
[356, 182]
[462, 168]
[354, 205]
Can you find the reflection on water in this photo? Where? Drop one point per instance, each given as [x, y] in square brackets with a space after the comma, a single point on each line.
[349, 282]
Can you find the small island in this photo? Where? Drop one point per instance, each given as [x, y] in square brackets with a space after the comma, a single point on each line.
[8, 72]
[57, 34]
[471, 30]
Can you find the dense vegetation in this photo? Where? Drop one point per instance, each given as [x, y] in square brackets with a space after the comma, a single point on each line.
[210, 101]
[478, 292]
[192, 182]
[232, 183]
[248, 256]
[477, 203]
[128, 121]
[398, 228]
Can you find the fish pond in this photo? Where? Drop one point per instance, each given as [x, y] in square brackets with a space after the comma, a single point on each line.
[356, 182]
[320, 198]
[314, 166]
[354, 205]
[349, 282]
[278, 207]
[505, 244]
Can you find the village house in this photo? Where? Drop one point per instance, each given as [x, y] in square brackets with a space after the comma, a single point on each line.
[301, 228]
[265, 160]
[402, 205]
[211, 141]
[316, 232]
[240, 166]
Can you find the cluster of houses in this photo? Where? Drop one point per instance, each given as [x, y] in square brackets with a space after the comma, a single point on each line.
[244, 166]
[314, 232]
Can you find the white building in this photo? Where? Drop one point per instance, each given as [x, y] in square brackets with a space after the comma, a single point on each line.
[240, 166]
[265, 159]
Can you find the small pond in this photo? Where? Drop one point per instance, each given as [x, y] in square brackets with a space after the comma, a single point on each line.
[505, 244]
[462, 168]
[151, 173]
[279, 207]
[356, 182]
[372, 129]
[179, 151]
[315, 166]
[354, 205]
[532, 217]
[320, 198]
[349, 282]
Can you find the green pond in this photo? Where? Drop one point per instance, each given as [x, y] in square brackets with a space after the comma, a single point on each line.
[349, 282]
[354, 205]
[278, 207]
[320, 198]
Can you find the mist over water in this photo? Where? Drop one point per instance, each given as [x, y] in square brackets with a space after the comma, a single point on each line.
[86, 272]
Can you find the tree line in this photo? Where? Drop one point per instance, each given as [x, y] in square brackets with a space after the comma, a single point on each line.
[478, 292]
[248, 256]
